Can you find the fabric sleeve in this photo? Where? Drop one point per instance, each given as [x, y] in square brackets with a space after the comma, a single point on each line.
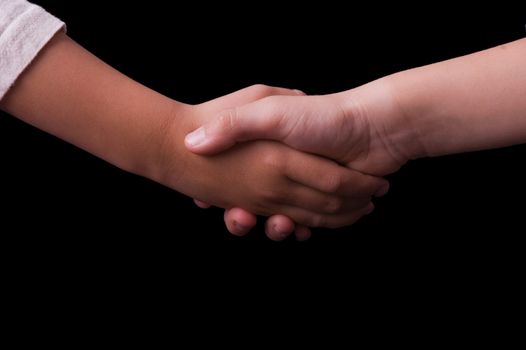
[25, 29]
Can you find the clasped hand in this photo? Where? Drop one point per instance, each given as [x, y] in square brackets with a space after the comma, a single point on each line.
[338, 127]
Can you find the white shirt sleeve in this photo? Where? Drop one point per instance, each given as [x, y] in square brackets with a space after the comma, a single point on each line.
[25, 29]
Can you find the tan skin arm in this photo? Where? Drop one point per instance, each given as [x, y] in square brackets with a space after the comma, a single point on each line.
[71, 94]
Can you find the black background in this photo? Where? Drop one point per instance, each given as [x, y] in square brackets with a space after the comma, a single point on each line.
[65, 210]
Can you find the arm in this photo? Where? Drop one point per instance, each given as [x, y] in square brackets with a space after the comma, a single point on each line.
[73, 95]
[467, 103]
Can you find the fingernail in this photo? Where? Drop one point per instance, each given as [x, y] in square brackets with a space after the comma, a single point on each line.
[238, 225]
[369, 209]
[280, 234]
[299, 92]
[240, 229]
[382, 190]
[196, 137]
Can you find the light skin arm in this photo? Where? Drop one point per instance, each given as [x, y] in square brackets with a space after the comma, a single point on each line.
[70, 93]
[468, 103]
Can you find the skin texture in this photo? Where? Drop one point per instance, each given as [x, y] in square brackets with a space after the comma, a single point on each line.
[468, 103]
[70, 93]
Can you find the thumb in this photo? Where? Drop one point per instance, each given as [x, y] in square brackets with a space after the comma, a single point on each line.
[258, 120]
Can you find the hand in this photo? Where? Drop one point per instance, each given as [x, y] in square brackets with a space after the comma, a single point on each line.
[239, 221]
[356, 128]
[311, 190]
[359, 128]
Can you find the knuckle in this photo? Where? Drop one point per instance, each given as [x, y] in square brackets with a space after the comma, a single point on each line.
[332, 183]
[260, 90]
[373, 185]
[334, 205]
[228, 118]
[269, 195]
[275, 196]
[274, 104]
[273, 159]
[316, 221]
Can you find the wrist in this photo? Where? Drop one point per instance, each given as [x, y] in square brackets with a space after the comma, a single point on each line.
[162, 133]
[390, 109]
[412, 104]
[392, 133]
[172, 165]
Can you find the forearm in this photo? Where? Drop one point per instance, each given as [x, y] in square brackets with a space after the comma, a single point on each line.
[467, 103]
[70, 93]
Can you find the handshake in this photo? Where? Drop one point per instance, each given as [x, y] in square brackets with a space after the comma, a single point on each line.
[304, 161]
[325, 168]
[350, 140]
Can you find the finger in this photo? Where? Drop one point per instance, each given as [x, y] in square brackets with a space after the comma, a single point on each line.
[303, 233]
[312, 219]
[299, 195]
[278, 227]
[238, 221]
[329, 177]
[201, 204]
[250, 94]
[341, 220]
[263, 119]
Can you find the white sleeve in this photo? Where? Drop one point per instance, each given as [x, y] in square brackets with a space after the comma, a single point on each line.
[24, 30]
